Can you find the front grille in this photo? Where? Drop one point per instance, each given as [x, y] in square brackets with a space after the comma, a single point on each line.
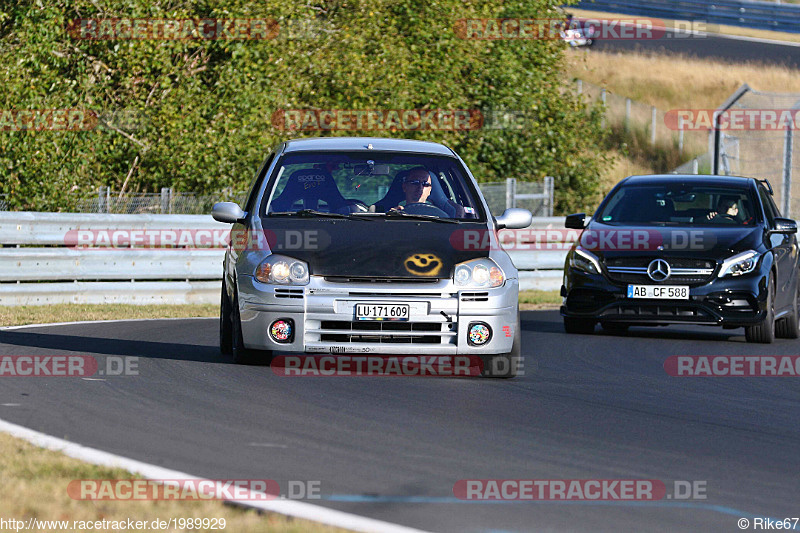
[674, 262]
[671, 311]
[685, 271]
[354, 279]
[474, 296]
[288, 293]
[380, 331]
[644, 279]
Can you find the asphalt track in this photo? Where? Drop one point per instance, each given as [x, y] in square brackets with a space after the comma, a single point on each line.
[708, 47]
[588, 407]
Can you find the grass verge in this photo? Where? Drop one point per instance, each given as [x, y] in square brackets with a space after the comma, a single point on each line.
[661, 80]
[533, 300]
[33, 484]
[44, 314]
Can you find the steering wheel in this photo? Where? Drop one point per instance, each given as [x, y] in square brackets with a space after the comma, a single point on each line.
[424, 209]
[360, 206]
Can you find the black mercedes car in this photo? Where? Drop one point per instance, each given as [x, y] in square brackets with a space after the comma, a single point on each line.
[684, 249]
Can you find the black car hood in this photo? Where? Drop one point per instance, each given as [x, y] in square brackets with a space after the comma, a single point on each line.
[375, 248]
[608, 241]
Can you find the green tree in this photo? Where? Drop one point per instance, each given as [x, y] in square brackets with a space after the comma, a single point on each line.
[203, 109]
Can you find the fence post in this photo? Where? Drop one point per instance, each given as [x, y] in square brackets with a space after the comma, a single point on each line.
[695, 166]
[712, 151]
[580, 86]
[653, 125]
[165, 200]
[511, 192]
[787, 172]
[680, 134]
[627, 114]
[549, 189]
[603, 99]
[102, 199]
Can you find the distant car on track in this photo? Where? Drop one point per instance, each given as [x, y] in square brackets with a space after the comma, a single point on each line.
[357, 256]
[671, 249]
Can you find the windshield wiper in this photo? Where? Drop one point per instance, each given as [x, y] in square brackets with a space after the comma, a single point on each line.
[432, 218]
[308, 213]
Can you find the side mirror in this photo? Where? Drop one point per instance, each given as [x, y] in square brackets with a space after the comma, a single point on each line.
[576, 221]
[514, 218]
[227, 212]
[786, 226]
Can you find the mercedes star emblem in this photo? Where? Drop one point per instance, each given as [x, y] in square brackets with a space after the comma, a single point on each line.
[658, 270]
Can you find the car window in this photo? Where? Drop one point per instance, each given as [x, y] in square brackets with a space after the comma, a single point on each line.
[770, 209]
[678, 204]
[256, 185]
[374, 183]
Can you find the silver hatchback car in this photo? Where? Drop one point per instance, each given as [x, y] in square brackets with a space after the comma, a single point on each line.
[369, 246]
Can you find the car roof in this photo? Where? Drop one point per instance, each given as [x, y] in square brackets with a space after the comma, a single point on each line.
[730, 181]
[354, 144]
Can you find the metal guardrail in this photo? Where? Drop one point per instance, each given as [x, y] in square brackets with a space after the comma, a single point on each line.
[750, 14]
[39, 267]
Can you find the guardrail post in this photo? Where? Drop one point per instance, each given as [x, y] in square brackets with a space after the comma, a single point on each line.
[627, 114]
[653, 113]
[695, 166]
[511, 192]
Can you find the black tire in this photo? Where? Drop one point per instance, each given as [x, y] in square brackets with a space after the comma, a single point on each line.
[225, 323]
[504, 365]
[788, 327]
[615, 327]
[581, 326]
[764, 331]
[242, 355]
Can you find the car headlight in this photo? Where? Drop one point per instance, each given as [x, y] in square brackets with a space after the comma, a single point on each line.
[739, 264]
[584, 261]
[478, 274]
[282, 270]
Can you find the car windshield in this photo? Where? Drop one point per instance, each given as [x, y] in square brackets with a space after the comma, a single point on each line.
[377, 184]
[679, 204]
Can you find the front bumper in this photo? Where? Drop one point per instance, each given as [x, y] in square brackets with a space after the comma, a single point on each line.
[323, 316]
[729, 302]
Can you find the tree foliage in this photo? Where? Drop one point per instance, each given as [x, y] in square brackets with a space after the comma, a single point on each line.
[202, 110]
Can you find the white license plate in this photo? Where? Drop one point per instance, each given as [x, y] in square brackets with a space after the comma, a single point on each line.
[382, 311]
[659, 292]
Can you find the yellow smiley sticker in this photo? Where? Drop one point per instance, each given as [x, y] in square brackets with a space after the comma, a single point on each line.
[423, 264]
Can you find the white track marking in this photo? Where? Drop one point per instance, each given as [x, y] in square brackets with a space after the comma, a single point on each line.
[296, 509]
